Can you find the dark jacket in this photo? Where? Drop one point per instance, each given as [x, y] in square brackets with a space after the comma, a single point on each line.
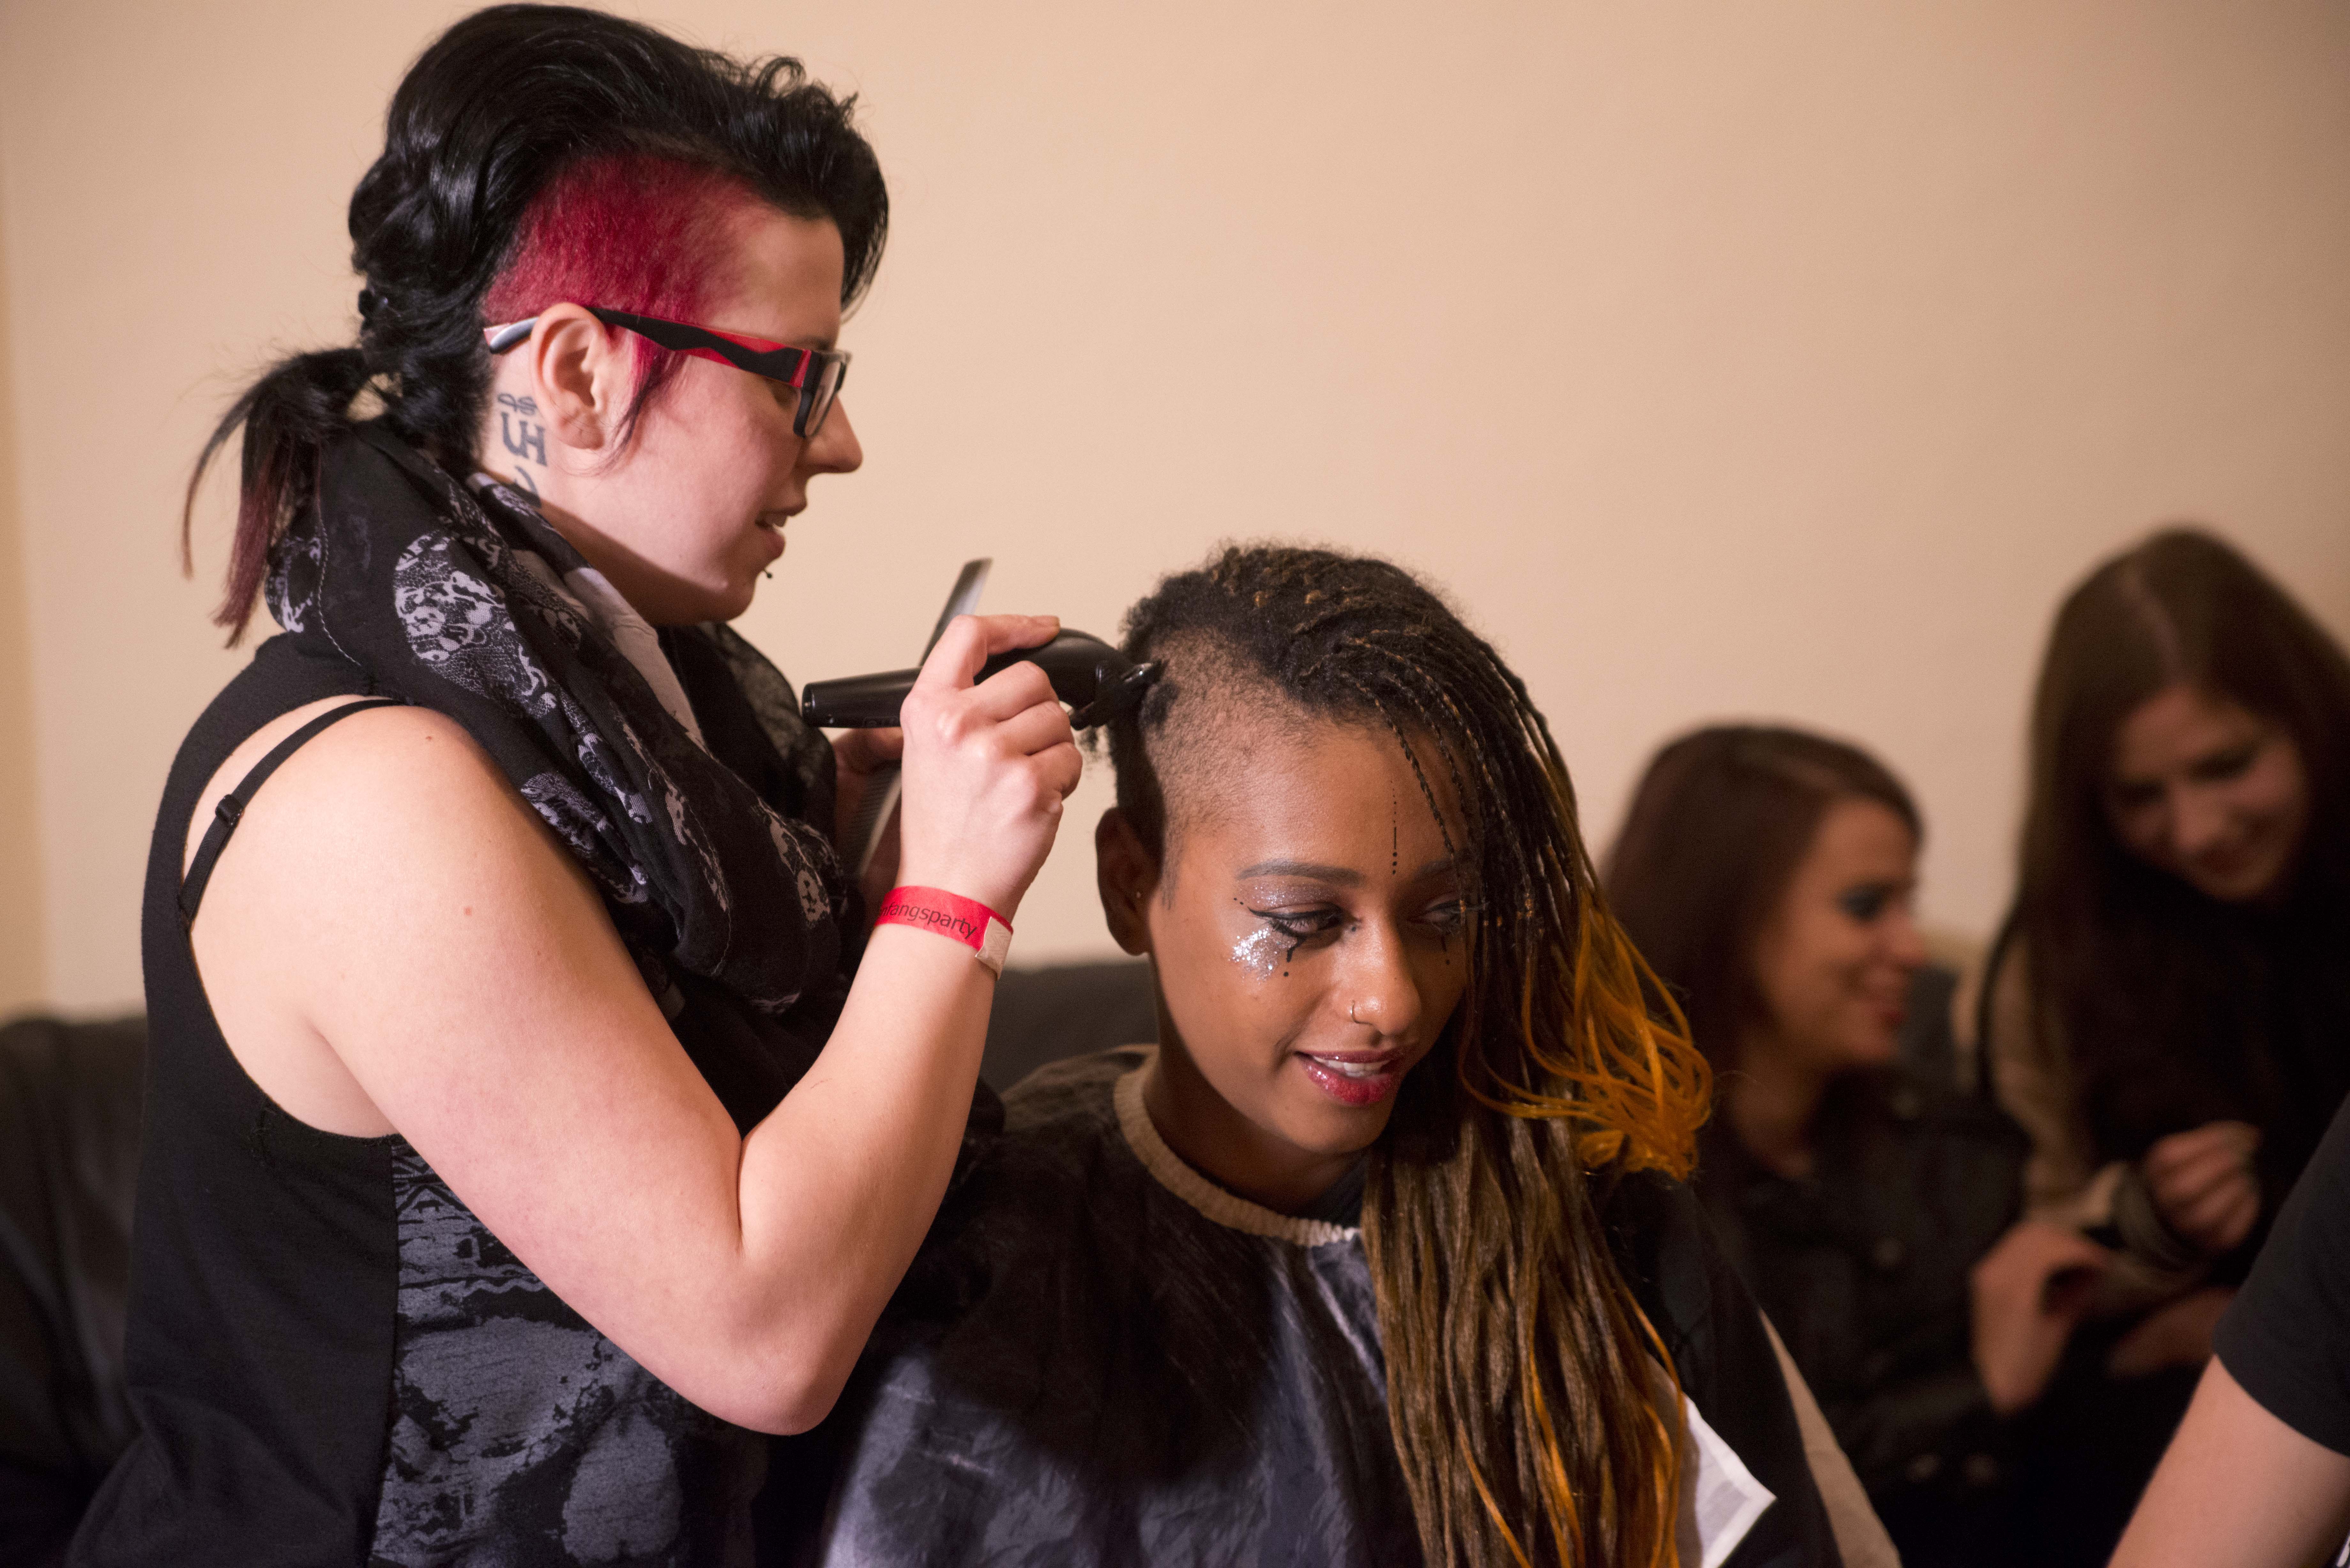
[1863, 1266]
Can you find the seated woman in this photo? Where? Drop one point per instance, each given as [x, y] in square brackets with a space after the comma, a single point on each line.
[1379, 1255]
[2169, 1012]
[1767, 874]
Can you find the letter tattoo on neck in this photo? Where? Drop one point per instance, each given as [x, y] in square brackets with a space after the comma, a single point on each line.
[523, 437]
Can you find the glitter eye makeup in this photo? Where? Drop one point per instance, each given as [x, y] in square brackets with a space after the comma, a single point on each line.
[1301, 927]
[1271, 946]
[1259, 953]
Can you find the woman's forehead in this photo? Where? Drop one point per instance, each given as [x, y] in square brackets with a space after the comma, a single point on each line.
[1316, 792]
[2175, 727]
[785, 276]
[1857, 833]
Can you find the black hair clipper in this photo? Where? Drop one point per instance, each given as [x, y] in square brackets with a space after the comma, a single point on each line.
[1098, 682]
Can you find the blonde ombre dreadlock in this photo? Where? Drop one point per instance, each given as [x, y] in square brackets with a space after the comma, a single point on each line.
[1535, 1412]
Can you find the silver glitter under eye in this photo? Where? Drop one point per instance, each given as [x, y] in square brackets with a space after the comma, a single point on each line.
[1259, 953]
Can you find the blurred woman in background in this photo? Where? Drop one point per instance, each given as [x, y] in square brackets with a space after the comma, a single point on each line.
[1768, 875]
[2168, 1010]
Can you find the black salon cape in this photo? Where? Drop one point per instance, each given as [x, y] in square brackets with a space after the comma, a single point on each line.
[1089, 1368]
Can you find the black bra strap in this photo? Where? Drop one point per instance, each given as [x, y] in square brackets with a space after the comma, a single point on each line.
[231, 809]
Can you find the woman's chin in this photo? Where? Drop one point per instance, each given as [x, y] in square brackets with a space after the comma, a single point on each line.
[1871, 1047]
[731, 599]
[2248, 883]
[1319, 1124]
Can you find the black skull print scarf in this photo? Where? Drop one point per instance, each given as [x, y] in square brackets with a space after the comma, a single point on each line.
[682, 780]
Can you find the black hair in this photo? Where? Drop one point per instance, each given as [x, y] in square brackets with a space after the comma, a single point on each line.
[1332, 636]
[490, 113]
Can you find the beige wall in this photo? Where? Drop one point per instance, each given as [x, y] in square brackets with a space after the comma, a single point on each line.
[1783, 360]
[22, 914]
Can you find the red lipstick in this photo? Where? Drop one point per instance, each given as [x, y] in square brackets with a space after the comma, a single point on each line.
[1353, 1077]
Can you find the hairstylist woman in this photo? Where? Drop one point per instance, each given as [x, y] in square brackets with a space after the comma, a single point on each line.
[2169, 1015]
[496, 1198]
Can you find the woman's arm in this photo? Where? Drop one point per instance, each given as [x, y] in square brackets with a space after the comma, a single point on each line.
[2241, 1488]
[392, 897]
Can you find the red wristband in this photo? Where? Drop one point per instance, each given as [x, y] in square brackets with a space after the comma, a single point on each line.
[966, 920]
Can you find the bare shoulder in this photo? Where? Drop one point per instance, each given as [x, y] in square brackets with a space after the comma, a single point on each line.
[376, 772]
[388, 834]
[380, 883]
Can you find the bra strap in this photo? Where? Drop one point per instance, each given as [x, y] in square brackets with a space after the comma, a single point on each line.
[231, 809]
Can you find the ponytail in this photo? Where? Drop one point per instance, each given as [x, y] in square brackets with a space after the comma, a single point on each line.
[289, 415]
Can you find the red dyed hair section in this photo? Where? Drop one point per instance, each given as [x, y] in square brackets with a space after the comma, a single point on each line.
[633, 231]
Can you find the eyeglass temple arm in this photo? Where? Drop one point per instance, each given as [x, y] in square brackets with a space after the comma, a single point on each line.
[689, 341]
[501, 339]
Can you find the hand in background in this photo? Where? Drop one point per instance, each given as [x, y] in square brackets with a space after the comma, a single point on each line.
[859, 756]
[2029, 1292]
[2179, 1335]
[2203, 1186]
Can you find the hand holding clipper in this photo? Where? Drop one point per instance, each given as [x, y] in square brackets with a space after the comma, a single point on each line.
[988, 762]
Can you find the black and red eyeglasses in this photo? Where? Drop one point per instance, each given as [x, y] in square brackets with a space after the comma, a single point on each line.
[816, 374]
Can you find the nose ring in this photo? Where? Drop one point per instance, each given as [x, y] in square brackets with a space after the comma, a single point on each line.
[1350, 1014]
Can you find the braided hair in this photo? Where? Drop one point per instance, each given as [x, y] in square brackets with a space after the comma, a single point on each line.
[1520, 1373]
[530, 143]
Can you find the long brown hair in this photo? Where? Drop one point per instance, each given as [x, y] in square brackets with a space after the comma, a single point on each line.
[1721, 821]
[2172, 1008]
[1523, 1378]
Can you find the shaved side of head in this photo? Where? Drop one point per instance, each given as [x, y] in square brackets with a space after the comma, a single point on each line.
[1207, 713]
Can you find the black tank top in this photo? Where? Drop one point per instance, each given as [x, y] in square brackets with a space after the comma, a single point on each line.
[332, 1360]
